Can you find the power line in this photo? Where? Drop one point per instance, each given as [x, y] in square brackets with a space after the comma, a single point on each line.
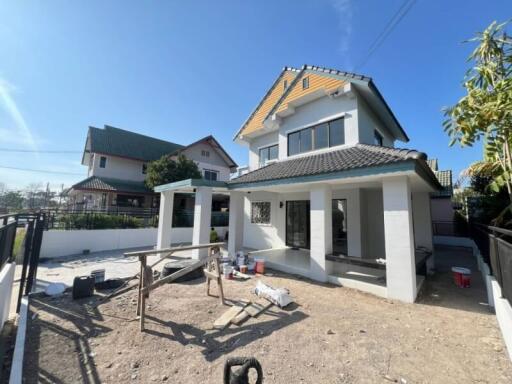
[392, 23]
[41, 171]
[36, 151]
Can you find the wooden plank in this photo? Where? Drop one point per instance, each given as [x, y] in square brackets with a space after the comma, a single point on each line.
[256, 308]
[240, 318]
[223, 321]
[172, 249]
[181, 272]
[211, 275]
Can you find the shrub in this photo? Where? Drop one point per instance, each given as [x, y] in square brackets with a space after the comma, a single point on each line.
[98, 221]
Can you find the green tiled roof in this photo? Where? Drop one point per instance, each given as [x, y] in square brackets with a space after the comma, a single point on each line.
[118, 142]
[111, 185]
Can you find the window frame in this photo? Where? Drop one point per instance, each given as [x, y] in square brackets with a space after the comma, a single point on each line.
[305, 82]
[313, 144]
[378, 139]
[211, 171]
[253, 203]
[103, 162]
[205, 153]
[267, 148]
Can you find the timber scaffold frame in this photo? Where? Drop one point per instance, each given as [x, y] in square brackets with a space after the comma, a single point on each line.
[146, 285]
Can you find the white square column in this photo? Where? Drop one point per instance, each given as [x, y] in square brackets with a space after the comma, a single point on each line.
[321, 230]
[236, 223]
[165, 220]
[202, 221]
[423, 224]
[399, 239]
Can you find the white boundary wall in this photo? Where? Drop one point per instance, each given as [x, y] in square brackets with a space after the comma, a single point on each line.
[501, 306]
[57, 243]
[6, 281]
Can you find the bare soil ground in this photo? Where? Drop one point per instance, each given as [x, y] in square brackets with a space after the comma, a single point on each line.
[330, 335]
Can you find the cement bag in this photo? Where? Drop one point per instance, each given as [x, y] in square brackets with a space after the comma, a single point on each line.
[278, 296]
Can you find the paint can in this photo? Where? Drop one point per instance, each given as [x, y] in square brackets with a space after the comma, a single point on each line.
[462, 277]
[260, 266]
[243, 268]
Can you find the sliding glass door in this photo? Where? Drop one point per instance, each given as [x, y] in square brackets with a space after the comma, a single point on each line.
[297, 224]
[339, 227]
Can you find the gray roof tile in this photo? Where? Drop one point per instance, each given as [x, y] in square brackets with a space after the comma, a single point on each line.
[358, 156]
[111, 185]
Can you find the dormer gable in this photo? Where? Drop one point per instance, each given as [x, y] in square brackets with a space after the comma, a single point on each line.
[278, 88]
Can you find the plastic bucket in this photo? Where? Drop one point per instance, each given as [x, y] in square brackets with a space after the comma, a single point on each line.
[243, 268]
[99, 275]
[260, 266]
[461, 277]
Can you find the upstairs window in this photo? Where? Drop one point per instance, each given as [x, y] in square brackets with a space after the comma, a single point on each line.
[144, 168]
[211, 175]
[103, 162]
[268, 153]
[305, 83]
[377, 138]
[205, 153]
[319, 136]
[285, 84]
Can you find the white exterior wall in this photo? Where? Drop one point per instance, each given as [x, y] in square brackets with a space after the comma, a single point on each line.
[316, 112]
[400, 259]
[65, 243]
[266, 140]
[368, 123]
[6, 282]
[360, 124]
[213, 162]
[263, 236]
[202, 221]
[118, 168]
[321, 230]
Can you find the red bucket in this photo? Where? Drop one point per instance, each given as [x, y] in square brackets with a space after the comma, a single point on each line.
[462, 277]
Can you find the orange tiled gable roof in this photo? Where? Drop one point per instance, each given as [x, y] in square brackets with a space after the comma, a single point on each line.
[255, 120]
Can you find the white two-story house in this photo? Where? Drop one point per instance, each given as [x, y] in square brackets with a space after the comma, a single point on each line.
[117, 161]
[327, 194]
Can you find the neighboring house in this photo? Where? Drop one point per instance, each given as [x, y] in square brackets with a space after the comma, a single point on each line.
[117, 162]
[441, 203]
[327, 194]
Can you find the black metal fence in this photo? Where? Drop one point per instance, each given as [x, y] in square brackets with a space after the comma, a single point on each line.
[495, 245]
[458, 228]
[27, 230]
[8, 227]
[101, 219]
[184, 218]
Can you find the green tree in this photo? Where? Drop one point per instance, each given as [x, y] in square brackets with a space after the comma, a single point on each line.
[166, 170]
[485, 112]
[11, 199]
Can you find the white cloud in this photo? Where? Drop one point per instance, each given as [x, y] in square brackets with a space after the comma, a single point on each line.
[344, 12]
[18, 131]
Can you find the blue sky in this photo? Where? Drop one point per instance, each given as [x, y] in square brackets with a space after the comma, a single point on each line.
[183, 70]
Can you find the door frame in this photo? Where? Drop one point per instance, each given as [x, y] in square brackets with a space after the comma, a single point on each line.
[308, 226]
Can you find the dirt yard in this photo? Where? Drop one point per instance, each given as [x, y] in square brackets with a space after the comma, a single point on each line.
[331, 335]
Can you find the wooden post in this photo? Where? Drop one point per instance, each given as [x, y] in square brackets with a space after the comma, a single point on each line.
[219, 281]
[140, 286]
[142, 294]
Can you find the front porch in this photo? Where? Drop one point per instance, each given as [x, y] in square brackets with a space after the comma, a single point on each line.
[372, 233]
